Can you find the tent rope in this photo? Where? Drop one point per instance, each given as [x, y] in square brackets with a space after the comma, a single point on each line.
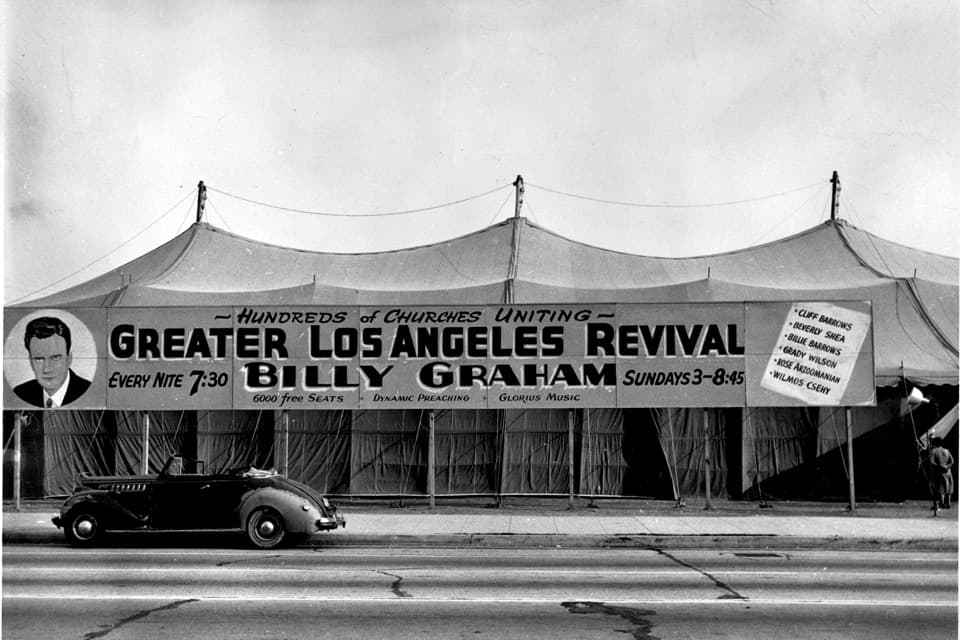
[112, 251]
[651, 205]
[361, 215]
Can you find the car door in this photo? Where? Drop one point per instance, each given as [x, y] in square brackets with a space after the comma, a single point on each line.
[197, 501]
[178, 503]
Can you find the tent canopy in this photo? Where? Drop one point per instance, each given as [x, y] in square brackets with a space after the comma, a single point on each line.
[914, 293]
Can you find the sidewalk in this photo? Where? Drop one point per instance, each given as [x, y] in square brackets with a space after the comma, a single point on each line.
[617, 523]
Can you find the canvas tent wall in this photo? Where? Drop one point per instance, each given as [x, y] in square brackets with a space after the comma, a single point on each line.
[641, 451]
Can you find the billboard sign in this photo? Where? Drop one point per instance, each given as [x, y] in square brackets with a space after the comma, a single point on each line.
[494, 356]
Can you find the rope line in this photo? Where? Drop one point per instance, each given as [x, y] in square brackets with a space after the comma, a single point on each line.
[649, 205]
[360, 215]
[112, 251]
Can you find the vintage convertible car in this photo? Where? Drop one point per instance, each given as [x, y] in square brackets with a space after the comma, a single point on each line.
[269, 507]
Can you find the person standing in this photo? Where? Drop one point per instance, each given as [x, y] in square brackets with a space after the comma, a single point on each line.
[941, 480]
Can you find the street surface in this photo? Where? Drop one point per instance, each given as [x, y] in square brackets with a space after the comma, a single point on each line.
[124, 593]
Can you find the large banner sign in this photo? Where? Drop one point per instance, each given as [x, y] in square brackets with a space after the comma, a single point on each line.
[552, 356]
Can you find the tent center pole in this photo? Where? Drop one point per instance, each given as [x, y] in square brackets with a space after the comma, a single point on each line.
[835, 196]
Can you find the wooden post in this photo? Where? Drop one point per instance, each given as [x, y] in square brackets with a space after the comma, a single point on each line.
[706, 459]
[503, 459]
[286, 443]
[570, 457]
[835, 196]
[201, 200]
[518, 198]
[17, 447]
[848, 418]
[431, 459]
[145, 462]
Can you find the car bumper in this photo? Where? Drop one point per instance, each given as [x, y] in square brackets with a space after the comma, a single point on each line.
[332, 522]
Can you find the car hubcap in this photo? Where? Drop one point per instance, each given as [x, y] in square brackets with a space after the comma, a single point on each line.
[84, 528]
[266, 528]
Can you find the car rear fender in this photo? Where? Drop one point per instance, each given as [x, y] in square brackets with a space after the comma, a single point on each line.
[289, 505]
[115, 515]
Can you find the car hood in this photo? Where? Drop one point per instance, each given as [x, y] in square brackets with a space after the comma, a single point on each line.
[92, 482]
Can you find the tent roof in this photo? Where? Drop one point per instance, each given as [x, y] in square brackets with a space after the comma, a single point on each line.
[915, 293]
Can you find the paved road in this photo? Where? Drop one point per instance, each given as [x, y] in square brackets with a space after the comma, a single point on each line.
[119, 593]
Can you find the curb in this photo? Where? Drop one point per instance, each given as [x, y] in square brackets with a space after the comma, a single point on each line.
[511, 541]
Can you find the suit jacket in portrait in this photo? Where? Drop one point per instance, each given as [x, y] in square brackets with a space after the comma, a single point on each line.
[32, 393]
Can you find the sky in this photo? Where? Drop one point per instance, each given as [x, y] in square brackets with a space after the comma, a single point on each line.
[733, 114]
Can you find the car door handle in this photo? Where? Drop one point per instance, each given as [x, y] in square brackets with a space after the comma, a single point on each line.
[206, 486]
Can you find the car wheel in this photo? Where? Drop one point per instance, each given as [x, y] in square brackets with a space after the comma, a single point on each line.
[83, 528]
[265, 528]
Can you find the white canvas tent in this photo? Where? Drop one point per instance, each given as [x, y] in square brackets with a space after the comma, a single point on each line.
[641, 451]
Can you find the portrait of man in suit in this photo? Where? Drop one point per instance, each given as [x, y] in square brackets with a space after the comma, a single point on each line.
[48, 342]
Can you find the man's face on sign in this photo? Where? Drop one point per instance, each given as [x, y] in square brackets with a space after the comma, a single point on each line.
[50, 361]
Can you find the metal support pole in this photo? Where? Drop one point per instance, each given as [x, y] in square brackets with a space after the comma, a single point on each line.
[17, 448]
[432, 459]
[848, 418]
[706, 459]
[570, 457]
[145, 461]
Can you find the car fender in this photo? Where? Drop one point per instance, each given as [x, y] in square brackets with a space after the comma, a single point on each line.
[288, 504]
[115, 514]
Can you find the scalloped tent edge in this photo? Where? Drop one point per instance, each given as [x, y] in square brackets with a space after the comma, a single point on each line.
[914, 293]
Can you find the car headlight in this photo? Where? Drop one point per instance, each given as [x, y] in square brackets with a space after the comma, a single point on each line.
[305, 507]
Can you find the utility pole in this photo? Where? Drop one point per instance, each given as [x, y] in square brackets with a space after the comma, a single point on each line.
[835, 197]
[201, 200]
[518, 183]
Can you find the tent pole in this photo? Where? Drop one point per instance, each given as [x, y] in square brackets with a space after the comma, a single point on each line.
[835, 196]
[570, 457]
[286, 443]
[17, 442]
[848, 418]
[706, 458]
[431, 459]
[503, 457]
[145, 462]
[518, 200]
[201, 200]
